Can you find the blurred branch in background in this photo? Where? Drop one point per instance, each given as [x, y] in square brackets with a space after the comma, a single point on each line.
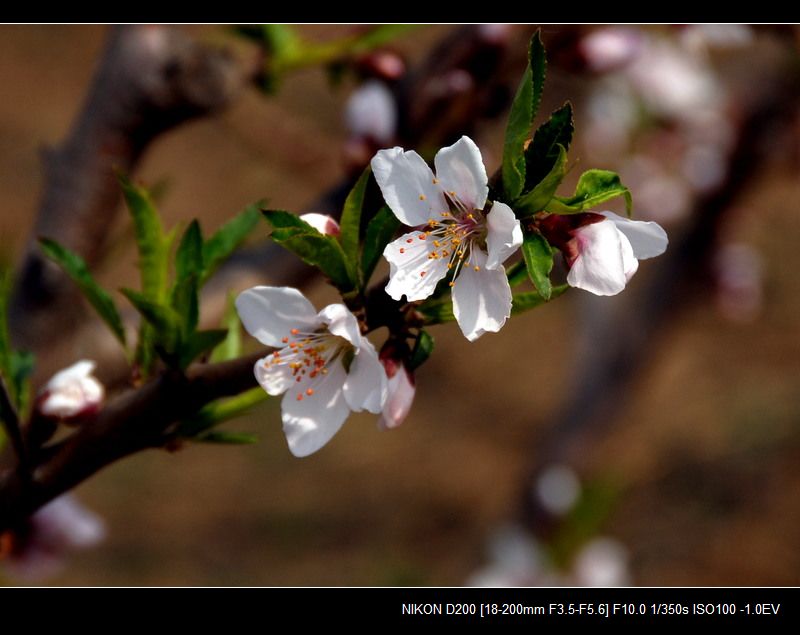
[618, 339]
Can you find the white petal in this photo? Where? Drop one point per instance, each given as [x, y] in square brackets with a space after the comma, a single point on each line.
[408, 186]
[341, 322]
[398, 401]
[481, 299]
[270, 313]
[323, 223]
[629, 263]
[599, 267]
[648, 239]
[412, 273]
[275, 379]
[460, 169]
[504, 235]
[365, 387]
[72, 374]
[311, 422]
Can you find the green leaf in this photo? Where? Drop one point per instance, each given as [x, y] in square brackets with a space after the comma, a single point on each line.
[437, 311]
[594, 187]
[380, 35]
[379, 232]
[316, 249]
[523, 112]
[76, 268]
[151, 241]
[350, 224]
[189, 257]
[543, 152]
[538, 255]
[227, 438]
[538, 198]
[227, 238]
[231, 348]
[221, 410]
[196, 344]
[164, 320]
[422, 350]
[528, 300]
[185, 300]
[21, 370]
[517, 273]
[281, 40]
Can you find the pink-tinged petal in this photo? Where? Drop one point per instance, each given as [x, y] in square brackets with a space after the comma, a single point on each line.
[342, 323]
[648, 239]
[460, 169]
[408, 186]
[323, 223]
[504, 235]
[40, 547]
[310, 421]
[399, 399]
[371, 112]
[629, 263]
[365, 387]
[599, 267]
[275, 379]
[71, 392]
[481, 299]
[270, 313]
[412, 273]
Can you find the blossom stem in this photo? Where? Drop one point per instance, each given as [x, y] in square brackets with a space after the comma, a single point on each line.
[10, 419]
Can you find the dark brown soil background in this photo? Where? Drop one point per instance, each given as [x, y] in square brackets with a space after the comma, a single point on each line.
[707, 450]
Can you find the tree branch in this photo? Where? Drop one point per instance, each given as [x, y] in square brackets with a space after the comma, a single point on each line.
[135, 420]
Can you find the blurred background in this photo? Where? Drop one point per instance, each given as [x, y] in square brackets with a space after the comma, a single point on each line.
[651, 438]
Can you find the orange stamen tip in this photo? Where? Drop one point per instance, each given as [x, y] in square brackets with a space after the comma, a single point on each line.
[409, 240]
[402, 250]
[309, 391]
[422, 236]
[285, 340]
[294, 331]
[422, 274]
[300, 397]
[452, 284]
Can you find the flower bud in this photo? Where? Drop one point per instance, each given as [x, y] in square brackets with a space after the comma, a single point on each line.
[38, 550]
[71, 393]
[401, 391]
[371, 112]
[608, 49]
[323, 223]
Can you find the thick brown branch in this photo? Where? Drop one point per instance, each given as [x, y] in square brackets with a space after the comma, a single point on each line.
[135, 420]
[150, 79]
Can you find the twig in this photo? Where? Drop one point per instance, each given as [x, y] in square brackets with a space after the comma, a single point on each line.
[11, 424]
[134, 420]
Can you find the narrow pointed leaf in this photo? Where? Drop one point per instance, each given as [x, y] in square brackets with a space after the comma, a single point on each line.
[422, 350]
[544, 151]
[189, 257]
[380, 231]
[75, 267]
[227, 438]
[520, 118]
[528, 300]
[538, 255]
[163, 319]
[537, 199]
[228, 238]
[350, 224]
[151, 241]
[316, 249]
[594, 187]
[231, 347]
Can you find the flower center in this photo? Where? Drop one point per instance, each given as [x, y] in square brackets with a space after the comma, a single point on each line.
[454, 235]
[309, 355]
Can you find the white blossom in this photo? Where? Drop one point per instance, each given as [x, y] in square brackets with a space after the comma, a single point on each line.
[71, 392]
[325, 367]
[454, 235]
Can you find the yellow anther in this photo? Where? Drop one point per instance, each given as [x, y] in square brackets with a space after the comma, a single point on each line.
[422, 197]
[476, 268]
[452, 284]
[436, 243]
[435, 181]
